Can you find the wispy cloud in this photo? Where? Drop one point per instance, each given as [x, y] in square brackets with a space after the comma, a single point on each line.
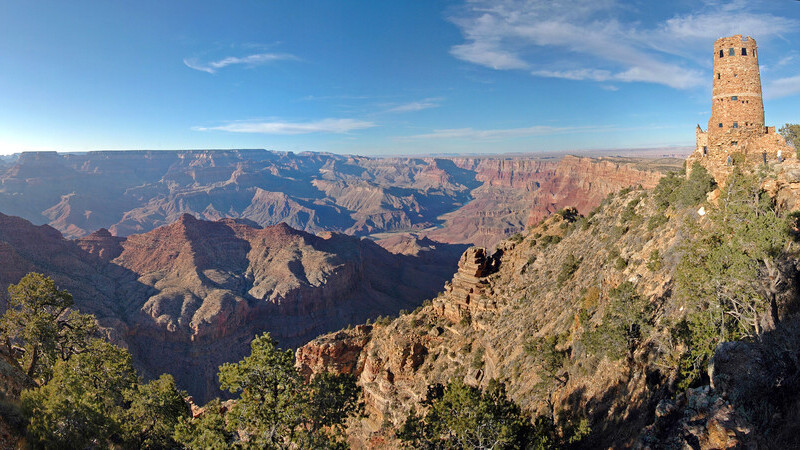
[309, 98]
[336, 126]
[249, 61]
[473, 134]
[782, 87]
[603, 40]
[427, 103]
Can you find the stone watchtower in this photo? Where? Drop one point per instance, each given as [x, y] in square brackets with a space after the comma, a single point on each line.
[737, 111]
[736, 126]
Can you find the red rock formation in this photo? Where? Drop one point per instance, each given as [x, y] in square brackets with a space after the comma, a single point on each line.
[583, 183]
[519, 192]
[102, 244]
[481, 200]
[465, 294]
[190, 296]
[338, 353]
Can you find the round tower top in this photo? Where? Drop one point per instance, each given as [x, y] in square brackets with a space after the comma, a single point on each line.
[735, 43]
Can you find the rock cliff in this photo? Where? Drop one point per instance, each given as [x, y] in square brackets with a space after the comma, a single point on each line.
[186, 297]
[475, 200]
[557, 284]
[516, 193]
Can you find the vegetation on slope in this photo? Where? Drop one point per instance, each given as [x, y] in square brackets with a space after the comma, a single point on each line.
[88, 393]
[663, 318]
[610, 322]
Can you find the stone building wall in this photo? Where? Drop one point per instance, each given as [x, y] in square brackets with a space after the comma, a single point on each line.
[737, 110]
[736, 126]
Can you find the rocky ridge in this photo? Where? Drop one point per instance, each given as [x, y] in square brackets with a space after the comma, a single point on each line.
[556, 282]
[189, 296]
[472, 200]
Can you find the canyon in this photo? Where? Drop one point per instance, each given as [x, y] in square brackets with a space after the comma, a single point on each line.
[542, 311]
[193, 253]
[187, 297]
[462, 200]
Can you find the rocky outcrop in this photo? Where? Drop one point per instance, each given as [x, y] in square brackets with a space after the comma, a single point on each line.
[339, 353]
[102, 244]
[697, 418]
[467, 293]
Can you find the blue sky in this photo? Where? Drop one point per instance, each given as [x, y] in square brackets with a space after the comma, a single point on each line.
[377, 77]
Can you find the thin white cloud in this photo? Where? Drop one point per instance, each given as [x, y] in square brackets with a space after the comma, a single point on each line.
[473, 134]
[488, 54]
[309, 98]
[604, 40]
[782, 87]
[249, 60]
[427, 103]
[335, 126]
[579, 74]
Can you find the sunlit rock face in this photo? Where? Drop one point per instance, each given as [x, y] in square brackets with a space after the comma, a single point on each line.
[187, 297]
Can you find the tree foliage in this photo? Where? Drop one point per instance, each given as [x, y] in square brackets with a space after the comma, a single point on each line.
[694, 188]
[461, 416]
[154, 410]
[39, 321]
[679, 191]
[730, 274]
[550, 359]
[208, 431]
[277, 408]
[791, 132]
[80, 406]
[90, 395]
[626, 321]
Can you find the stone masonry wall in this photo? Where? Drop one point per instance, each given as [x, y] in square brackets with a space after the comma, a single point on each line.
[736, 126]
[737, 110]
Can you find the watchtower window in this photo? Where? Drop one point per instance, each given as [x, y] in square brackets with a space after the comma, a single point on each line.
[721, 53]
[735, 97]
[731, 51]
[720, 124]
[735, 124]
[719, 76]
[744, 51]
[734, 143]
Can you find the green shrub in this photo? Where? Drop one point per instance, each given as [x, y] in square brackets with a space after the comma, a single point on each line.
[626, 323]
[549, 240]
[728, 272]
[666, 186]
[654, 263]
[569, 214]
[694, 189]
[568, 268]
[477, 358]
[461, 416]
[656, 221]
[550, 360]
